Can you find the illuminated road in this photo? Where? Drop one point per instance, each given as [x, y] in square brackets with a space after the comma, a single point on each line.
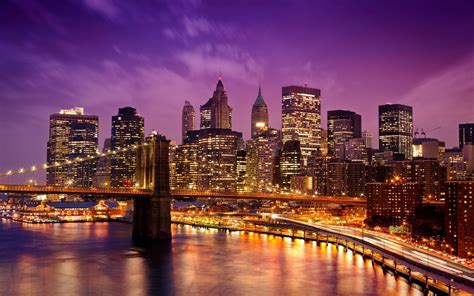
[399, 248]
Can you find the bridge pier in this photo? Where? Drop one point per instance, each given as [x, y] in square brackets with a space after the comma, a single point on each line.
[152, 216]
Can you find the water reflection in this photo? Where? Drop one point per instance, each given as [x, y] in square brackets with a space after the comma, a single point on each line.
[101, 259]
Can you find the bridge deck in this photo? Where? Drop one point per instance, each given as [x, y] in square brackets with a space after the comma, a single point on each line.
[135, 193]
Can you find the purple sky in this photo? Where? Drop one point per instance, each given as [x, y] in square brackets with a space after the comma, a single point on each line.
[106, 54]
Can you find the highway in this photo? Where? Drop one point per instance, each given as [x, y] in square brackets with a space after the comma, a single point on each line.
[402, 249]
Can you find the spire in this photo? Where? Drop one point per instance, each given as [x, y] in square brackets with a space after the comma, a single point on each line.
[220, 85]
[259, 101]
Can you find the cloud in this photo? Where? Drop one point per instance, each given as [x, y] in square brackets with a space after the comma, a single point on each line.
[449, 93]
[105, 8]
[196, 26]
[231, 61]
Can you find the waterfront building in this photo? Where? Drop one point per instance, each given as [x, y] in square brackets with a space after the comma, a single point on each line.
[342, 126]
[73, 135]
[261, 156]
[128, 128]
[324, 142]
[290, 162]
[317, 168]
[394, 201]
[259, 120]
[102, 176]
[301, 118]
[302, 184]
[459, 209]
[368, 137]
[172, 164]
[466, 134]
[187, 120]
[396, 129]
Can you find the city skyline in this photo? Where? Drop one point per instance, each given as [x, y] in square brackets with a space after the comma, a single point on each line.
[110, 69]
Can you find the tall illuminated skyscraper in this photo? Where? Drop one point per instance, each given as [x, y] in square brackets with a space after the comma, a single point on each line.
[342, 126]
[301, 118]
[259, 115]
[72, 135]
[128, 128]
[396, 129]
[290, 162]
[187, 119]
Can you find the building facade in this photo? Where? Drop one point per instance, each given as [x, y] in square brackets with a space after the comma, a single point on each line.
[301, 118]
[259, 120]
[187, 120]
[291, 161]
[128, 128]
[342, 126]
[396, 129]
[459, 215]
[466, 134]
[73, 136]
[395, 200]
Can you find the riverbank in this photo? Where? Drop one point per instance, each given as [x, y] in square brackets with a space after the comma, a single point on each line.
[421, 281]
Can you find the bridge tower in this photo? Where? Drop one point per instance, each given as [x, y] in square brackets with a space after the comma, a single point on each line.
[152, 216]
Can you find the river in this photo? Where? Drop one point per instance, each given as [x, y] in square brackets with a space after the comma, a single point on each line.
[101, 259]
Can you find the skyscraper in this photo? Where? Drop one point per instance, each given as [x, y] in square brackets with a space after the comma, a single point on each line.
[261, 156]
[217, 159]
[301, 118]
[466, 134]
[72, 135]
[396, 129]
[127, 129]
[216, 113]
[342, 126]
[187, 119]
[259, 115]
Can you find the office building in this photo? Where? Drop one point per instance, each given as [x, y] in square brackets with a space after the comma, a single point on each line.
[261, 156]
[342, 126]
[427, 148]
[242, 171]
[459, 215]
[466, 134]
[188, 118]
[259, 118]
[355, 150]
[368, 137]
[290, 162]
[217, 159]
[396, 130]
[301, 118]
[102, 176]
[394, 201]
[216, 113]
[128, 130]
[186, 165]
[73, 135]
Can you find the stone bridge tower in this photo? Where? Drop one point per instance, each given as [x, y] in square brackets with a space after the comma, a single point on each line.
[152, 216]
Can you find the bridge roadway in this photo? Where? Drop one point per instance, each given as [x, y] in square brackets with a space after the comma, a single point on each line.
[136, 193]
[435, 267]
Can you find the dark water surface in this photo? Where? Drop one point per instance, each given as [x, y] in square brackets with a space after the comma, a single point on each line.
[101, 259]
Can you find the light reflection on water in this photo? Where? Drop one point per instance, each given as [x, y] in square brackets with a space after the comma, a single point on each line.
[101, 259]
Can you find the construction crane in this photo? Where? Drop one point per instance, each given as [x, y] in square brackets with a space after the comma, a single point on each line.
[421, 131]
